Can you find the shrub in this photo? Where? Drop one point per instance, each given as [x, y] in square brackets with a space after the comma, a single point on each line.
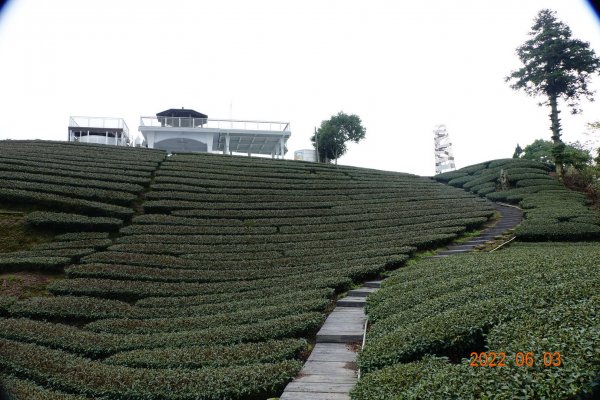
[65, 221]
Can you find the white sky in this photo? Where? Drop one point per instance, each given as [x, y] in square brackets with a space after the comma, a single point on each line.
[402, 66]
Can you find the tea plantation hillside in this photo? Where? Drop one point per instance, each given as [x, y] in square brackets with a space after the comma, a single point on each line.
[191, 276]
[520, 322]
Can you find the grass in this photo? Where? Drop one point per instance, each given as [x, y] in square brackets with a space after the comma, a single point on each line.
[25, 285]
[15, 235]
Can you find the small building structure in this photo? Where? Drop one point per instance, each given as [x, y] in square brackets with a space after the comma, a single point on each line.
[306, 155]
[186, 130]
[99, 130]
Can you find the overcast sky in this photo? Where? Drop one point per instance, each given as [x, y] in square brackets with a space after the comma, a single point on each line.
[402, 66]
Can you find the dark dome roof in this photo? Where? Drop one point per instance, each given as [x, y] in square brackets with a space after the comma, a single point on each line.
[181, 112]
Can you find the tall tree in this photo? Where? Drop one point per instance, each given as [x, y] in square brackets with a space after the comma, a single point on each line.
[555, 66]
[333, 134]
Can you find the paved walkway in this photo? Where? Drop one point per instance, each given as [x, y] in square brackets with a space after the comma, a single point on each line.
[330, 371]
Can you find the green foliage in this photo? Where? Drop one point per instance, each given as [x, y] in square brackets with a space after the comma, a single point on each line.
[212, 356]
[65, 221]
[552, 211]
[555, 66]
[81, 236]
[230, 261]
[24, 389]
[331, 137]
[93, 344]
[19, 262]
[569, 155]
[518, 151]
[64, 203]
[528, 298]
[64, 371]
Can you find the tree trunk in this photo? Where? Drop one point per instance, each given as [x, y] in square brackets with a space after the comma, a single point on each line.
[555, 126]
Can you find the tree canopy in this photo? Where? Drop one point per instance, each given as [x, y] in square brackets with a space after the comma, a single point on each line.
[555, 66]
[569, 155]
[333, 134]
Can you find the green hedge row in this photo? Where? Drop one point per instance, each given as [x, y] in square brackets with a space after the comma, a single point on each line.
[66, 221]
[570, 329]
[234, 175]
[153, 244]
[211, 356]
[126, 326]
[559, 231]
[458, 216]
[220, 183]
[462, 291]
[139, 167]
[164, 219]
[251, 198]
[93, 344]
[201, 270]
[19, 262]
[67, 181]
[74, 236]
[82, 308]
[168, 274]
[74, 254]
[165, 244]
[101, 168]
[340, 209]
[71, 173]
[97, 244]
[63, 371]
[123, 289]
[445, 226]
[198, 230]
[166, 206]
[64, 203]
[52, 149]
[114, 197]
[325, 191]
[23, 389]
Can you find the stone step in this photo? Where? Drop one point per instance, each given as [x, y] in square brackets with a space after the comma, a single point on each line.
[352, 301]
[372, 284]
[461, 246]
[313, 396]
[330, 368]
[325, 378]
[452, 252]
[343, 325]
[339, 352]
[319, 387]
[490, 236]
[362, 292]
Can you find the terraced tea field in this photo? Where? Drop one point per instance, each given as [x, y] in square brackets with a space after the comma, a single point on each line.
[516, 323]
[194, 276]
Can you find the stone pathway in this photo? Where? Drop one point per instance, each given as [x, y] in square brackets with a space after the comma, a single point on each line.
[330, 371]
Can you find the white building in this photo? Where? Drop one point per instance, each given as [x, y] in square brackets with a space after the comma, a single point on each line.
[185, 130]
[99, 130]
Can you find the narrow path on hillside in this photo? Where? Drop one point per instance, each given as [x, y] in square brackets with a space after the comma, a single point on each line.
[330, 371]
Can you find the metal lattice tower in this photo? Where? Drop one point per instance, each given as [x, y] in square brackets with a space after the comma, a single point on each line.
[444, 159]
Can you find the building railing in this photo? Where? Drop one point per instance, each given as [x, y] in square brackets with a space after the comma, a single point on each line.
[99, 122]
[189, 122]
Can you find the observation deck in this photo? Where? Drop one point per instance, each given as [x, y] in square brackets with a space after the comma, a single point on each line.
[99, 130]
[203, 134]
